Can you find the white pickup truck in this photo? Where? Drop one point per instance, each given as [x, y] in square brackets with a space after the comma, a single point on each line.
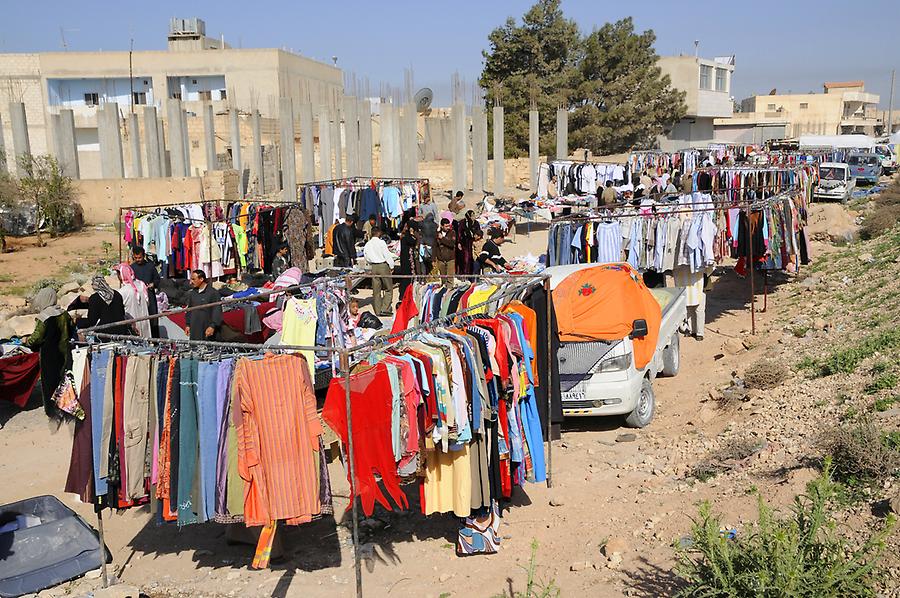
[600, 377]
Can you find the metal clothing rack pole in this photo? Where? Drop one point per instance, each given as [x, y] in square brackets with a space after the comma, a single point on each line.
[103, 571]
[752, 282]
[352, 179]
[549, 382]
[226, 301]
[345, 365]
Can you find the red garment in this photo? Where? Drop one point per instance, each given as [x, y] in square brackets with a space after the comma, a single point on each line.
[370, 399]
[80, 479]
[18, 375]
[235, 319]
[407, 311]
[431, 410]
[502, 352]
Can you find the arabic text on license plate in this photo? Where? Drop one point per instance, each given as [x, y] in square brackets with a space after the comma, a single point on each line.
[575, 395]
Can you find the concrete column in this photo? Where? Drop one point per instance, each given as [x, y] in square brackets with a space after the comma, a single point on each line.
[186, 144]
[165, 160]
[458, 120]
[67, 143]
[19, 124]
[112, 164]
[534, 157]
[351, 134]
[337, 144]
[209, 137]
[307, 143]
[152, 143]
[236, 162]
[288, 158]
[134, 141]
[176, 138]
[479, 149]
[55, 149]
[365, 138]
[562, 134]
[386, 116]
[398, 142]
[325, 170]
[257, 153]
[410, 141]
[3, 160]
[499, 162]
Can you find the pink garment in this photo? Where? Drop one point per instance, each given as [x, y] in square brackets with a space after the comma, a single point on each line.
[127, 276]
[129, 226]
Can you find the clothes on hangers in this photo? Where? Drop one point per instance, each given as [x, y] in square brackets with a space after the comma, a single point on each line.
[199, 437]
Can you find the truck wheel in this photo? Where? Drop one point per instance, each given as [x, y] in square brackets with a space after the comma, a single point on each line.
[671, 358]
[646, 407]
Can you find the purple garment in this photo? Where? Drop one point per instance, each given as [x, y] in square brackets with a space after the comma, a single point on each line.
[223, 409]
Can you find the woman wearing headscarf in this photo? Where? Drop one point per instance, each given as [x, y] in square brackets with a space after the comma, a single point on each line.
[469, 232]
[104, 306]
[134, 296]
[52, 332]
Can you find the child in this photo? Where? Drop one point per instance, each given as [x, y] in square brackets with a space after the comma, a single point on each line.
[355, 314]
[281, 261]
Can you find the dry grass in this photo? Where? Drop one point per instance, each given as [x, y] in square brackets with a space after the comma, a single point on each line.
[765, 375]
[858, 453]
[886, 214]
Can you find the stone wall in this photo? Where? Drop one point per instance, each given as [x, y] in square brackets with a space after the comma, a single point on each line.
[101, 199]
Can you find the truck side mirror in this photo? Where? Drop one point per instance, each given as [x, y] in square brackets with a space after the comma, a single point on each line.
[639, 329]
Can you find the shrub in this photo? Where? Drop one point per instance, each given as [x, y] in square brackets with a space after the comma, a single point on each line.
[765, 375]
[886, 214]
[44, 186]
[857, 453]
[884, 381]
[802, 555]
[729, 454]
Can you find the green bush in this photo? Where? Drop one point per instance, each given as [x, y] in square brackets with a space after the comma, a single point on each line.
[801, 555]
[884, 381]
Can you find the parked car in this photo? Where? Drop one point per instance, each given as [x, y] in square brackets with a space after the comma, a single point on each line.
[612, 373]
[864, 167]
[888, 158]
[835, 182]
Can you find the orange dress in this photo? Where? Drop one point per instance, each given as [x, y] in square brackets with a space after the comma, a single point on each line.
[278, 440]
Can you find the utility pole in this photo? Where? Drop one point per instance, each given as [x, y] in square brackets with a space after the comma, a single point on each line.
[890, 123]
[131, 72]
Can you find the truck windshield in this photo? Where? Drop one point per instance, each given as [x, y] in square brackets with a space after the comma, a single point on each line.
[830, 173]
[863, 160]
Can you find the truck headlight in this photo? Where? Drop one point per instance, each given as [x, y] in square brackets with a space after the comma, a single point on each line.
[612, 364]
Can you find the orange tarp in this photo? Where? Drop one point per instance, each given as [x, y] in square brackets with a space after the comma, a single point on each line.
[602, 303]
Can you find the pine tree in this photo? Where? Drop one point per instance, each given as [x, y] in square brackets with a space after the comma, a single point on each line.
[623, 101]
[609, 82]
[539, 59]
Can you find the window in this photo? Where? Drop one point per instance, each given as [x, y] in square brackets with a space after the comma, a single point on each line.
[223, 95]
[705, 76]
[139, 98]
[146, 82]
[770, 107]
[176, 95]
[721, 80]
[91, 99]
[205, 96]
[804, 105]
[193, 81]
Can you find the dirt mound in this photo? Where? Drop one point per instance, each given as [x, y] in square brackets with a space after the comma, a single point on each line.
[831, 222]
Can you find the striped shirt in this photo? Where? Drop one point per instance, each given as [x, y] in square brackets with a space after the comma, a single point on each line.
[609, 242]
[278, 440]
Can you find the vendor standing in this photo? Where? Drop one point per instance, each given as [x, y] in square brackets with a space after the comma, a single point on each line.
[145, 271]
[202, 324]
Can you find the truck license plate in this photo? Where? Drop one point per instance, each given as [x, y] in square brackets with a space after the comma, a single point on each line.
[574, 395]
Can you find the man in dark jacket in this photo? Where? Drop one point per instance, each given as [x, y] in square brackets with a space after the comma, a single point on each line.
[202, 324]
[445, 249]
[428, 238]
[146, 272]
[345, 242]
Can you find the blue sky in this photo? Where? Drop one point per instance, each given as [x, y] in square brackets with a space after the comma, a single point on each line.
[789, 44]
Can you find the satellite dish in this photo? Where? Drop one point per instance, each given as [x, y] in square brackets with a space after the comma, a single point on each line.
[423, 99]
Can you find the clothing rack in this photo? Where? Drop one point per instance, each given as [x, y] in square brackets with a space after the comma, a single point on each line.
[150, 209]
[352, 180]
[756, 206]
[345, 357]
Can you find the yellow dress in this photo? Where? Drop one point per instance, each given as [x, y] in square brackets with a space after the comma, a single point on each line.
[480, 295]
[298, 327]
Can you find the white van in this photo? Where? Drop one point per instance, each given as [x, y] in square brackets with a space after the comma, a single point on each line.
[835, 182]
[888, 158]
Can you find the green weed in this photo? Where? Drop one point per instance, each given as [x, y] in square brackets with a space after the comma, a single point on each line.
[885, 381]
[802, 554]
[886, 403]
[847, 359]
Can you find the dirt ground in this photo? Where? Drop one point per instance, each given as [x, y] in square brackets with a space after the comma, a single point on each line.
[631, 491]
